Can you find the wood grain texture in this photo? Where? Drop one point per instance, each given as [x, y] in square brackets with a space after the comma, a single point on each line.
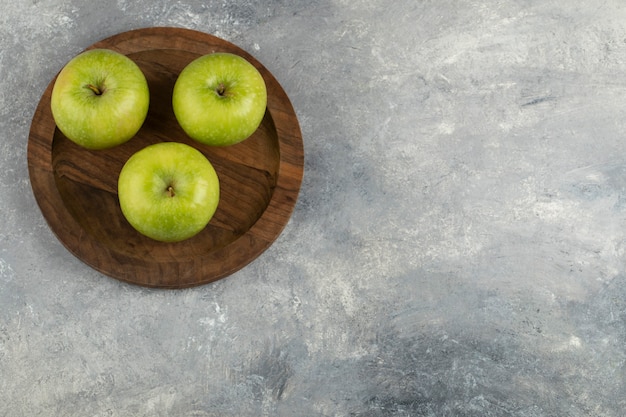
[260, 177]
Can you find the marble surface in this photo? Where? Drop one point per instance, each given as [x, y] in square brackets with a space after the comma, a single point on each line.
[457, 249]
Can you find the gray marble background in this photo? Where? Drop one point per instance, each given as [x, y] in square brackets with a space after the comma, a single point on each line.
[458, 247]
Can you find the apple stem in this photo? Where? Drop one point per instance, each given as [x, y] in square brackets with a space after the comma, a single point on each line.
[95, 89]
[221, 89]
[170, 191]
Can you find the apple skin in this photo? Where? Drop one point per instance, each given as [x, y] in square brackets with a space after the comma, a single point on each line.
[100, 121]
[219, 99]
[168, 191]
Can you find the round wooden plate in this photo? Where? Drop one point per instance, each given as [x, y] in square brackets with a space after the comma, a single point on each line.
[76, 189]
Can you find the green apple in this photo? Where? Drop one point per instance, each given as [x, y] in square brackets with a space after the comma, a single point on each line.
[100, 99]
[219, 99]
[168, 191]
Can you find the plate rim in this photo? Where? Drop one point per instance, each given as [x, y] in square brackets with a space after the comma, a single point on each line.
[258, 238]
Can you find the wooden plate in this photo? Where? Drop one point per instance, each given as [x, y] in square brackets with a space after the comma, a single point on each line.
[76, 189]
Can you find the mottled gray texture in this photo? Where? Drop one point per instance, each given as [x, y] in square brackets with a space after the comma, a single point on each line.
[458, 248]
